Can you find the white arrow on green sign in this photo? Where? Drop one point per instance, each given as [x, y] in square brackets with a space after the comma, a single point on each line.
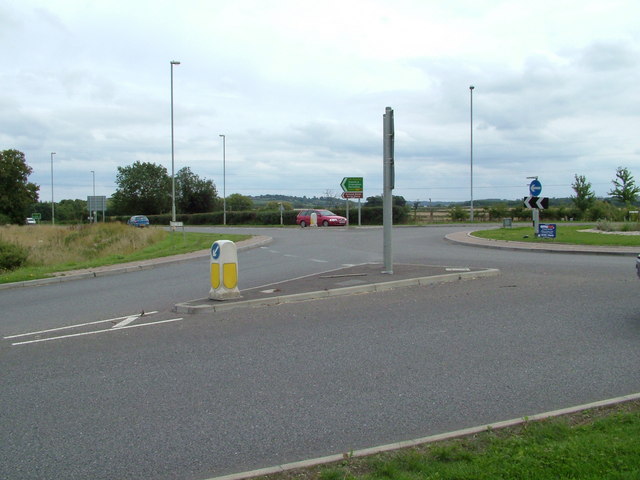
[352, 184]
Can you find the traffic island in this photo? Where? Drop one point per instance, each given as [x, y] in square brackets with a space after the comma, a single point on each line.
[349, 280]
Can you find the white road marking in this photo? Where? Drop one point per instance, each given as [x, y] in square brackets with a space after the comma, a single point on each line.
[319, 261]
[68, 327]
[126, 321]
[97, 331]
[458, 269]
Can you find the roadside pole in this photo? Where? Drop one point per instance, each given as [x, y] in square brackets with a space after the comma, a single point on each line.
[389, 180]
[347, 200]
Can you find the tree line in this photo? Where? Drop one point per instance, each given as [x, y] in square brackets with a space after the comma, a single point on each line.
[146, 188]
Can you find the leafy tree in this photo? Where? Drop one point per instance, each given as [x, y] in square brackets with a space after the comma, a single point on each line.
[584, 197]
[399, 201]
[193, 194]
[17, 194]
[376, 201]
[239, 203]
[373, 201]
[604, 211]
[625, 189]
[72, 210]
[143, 188]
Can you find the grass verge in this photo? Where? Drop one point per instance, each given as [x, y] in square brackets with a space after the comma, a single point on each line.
[593, 444]
[570, 234]
[58, 249]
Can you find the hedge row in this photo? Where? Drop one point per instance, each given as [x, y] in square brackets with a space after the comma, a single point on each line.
[369, 216]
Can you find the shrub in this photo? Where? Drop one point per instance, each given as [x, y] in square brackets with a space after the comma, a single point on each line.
[458, 214]
[12, 256]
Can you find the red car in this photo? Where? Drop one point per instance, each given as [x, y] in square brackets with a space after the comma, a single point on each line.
[326, 218]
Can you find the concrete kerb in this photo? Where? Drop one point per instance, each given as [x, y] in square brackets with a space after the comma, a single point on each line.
[314, 462]
[467, 238]
[214, 306]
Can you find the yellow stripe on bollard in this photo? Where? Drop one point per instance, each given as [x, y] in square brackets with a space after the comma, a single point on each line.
[230, 275]
[215, 275]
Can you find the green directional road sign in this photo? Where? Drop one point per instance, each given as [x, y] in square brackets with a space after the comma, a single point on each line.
[351, 184]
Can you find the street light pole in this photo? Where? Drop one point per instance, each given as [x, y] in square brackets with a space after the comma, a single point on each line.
[471, 150]
[53, 218]
[224, 180]
[93, 212]
[173, 178]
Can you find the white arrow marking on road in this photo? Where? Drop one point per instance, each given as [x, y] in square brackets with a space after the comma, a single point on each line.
[68, 327]
[126, 321]
[97, 331]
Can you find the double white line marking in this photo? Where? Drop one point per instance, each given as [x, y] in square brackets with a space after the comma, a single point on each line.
[122, 324]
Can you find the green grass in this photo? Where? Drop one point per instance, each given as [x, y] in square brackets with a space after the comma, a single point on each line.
[564, 234]
[591, 445]
[169, 244]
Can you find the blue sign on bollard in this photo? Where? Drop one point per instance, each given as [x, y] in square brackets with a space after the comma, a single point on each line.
[215, 251]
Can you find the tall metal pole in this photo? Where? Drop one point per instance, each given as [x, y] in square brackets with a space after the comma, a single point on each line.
[389, 181]
[173, 178]
[224, 180]
[471, 100]
[94, 211]
[53, 218]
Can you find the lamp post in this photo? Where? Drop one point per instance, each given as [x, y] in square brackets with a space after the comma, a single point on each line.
[53, 218]
[471, 149]
[224, 181]
[93, 212]
[173, 178]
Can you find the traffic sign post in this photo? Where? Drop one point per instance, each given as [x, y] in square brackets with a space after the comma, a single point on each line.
[352, 184]
[547, 230]
[352, 195]
[352, 187]
[535, 188]
[541, 203]
[536, 204]
[96, 204]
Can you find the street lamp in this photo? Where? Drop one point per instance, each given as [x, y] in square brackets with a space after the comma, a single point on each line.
[53, 219]
[471, 150]
[93, 213]
[173, 178]
[224, 181]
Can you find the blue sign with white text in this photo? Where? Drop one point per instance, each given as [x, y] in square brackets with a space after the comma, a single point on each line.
[547, 230]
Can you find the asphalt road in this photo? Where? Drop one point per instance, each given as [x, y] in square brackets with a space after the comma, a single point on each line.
[213, 394]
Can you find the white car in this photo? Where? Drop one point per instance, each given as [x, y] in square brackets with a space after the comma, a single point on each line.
[30, 221]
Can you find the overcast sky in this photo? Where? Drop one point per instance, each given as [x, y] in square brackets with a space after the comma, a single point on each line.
[299, 89]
